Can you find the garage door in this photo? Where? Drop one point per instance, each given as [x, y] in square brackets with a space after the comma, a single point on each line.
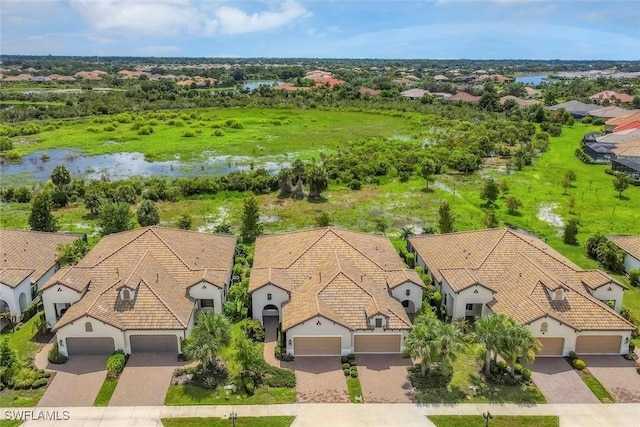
[377, 343]
[316, 346]
[550, 346]
[89, 346]
[605, 344]
[154, 344]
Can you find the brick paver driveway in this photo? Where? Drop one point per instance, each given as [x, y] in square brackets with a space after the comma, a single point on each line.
[145, 380]
[617, 375]
[559, 382]
[76, 383]
[384, 378]
[320, 380]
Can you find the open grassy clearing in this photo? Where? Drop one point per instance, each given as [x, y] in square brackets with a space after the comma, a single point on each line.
[221, 422]
[191, 135]
[192, 395]
[496, 421]
[23, 340]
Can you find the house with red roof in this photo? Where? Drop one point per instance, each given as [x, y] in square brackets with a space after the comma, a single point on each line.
[610, 96]
[465, 97]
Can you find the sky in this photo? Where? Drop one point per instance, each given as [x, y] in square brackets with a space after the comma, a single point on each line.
[390, 29]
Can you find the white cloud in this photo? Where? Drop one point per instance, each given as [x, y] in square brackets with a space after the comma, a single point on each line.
[171, 17]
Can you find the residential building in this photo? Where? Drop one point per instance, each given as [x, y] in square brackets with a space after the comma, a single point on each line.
[631, 247]
[610, 96]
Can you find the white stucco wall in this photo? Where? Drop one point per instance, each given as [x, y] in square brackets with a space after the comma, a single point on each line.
[560, 330]
[631, 263]
[327, 328]
[604, 294]
[259, 300]
[205, 290]
[457, 302]
[128, 334]
[76, 329]
[400, 293]
[45, 277]
[12, 295]
[57, 294]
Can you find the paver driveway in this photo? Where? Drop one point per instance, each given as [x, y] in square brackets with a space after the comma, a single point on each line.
[76, 383]
[559, 382]
[617, 375]
[384, 378]
[320, 380]
[145, 380]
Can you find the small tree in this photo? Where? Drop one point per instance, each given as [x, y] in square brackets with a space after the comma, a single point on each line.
[592, 244]
[147, 213]
[185, 221]
[285, 182]
[381, 225]
[570, 235]
[571, 203]
[513, 204]
[427, 168]
[490, 191]
[41, 218]
[251, 227]
[115, 217]
[490, 219]
[211, 333]
[61, 177]
[323, 219]
[620, 182]
[317, 180]
[445, 218]
[93, 198]
[72, 253]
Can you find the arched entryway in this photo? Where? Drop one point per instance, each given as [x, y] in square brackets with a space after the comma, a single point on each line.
[271, 322]
[270, 310]
[4, 307]
[22, 300]
[409, 306]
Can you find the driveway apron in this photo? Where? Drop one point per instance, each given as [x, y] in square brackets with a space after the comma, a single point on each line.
[617, 375]
[145, 380]
[559, 382]
[320, 380]
[384, 378]
[76, 383]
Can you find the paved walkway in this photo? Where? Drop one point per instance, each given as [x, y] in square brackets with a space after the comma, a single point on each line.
[559, 382]
[337, 414]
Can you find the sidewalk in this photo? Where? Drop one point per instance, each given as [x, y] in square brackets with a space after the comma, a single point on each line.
[337, 414]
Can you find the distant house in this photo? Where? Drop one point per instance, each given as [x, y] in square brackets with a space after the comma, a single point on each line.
[505, 271]
[414, 93]
[521, 102]
[622, 136]
[628, 165]
[612, 124]
[28, 261]
[465, 97]
[369, 91]
[631, 246]
[631, 125]
[627, 149]
[610, 96]
[599, 152]
[576, 108]
[440, 78]
[532, 93]
[609, 112]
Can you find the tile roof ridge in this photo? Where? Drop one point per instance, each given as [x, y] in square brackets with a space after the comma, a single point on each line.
[136, 232]
[310, 246]
[551, 276]
[358, 250]
[399, 317]
[587, 296]
[560, 260]
[162, 301]
[556, 315]
[505, 231]
[133, 270]
[152, 229]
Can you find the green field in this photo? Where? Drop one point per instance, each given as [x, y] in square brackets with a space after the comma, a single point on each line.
[496, 421]
[190, 135]
[220, 422]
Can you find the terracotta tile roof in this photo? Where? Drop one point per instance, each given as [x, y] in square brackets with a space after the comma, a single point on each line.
[609, 112]
[611, 95]
[12, 277]
[464, 97]
[35, 250]
[519, 101]
[160, 264]
[631, 125]
[629, 244]
[414, 93]
[462, 278]
[367, 90]
[627, 149]
[524, 272]
[323, 268]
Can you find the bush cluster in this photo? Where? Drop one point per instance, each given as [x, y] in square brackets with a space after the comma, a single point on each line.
[115, 364]
[54, 355]
[579, 364]
[584, 157]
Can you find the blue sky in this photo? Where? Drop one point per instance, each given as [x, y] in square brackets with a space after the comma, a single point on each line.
[434, 29]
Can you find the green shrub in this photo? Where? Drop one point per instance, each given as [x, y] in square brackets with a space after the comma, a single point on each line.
[517, 368]
[23, 378]
[347, 372]
[579, 364]
[115, 364]
[218, 132]
[526, 374]
[39, 383]
[352, 362]
[634, 277]
[249, 387]
[29, 311]
[354, 373]
[344, 359]
[346, 366]
[502, 366]
[189, 134]
[54, 355]
[277, 377]
[573, 355]
[351, 356]
[109, 128]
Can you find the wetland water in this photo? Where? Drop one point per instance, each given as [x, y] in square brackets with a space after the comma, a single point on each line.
[35, 168]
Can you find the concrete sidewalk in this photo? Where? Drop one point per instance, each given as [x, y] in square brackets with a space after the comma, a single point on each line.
[338, 414]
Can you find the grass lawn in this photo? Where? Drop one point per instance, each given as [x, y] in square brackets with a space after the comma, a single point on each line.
[11, 423]
[22, 341]
[597, 388]
[106, 391]
[465, 375]
[20, 398]
[193, 395]
[220, 422]
[354, 387]
[496, 421]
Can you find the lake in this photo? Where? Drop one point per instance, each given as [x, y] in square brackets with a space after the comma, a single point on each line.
[33, 168]
[251, 85]
[531, 80]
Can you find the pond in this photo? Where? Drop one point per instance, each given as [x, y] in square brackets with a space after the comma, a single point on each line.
[531, 80]
[39, 165]
[255, 84]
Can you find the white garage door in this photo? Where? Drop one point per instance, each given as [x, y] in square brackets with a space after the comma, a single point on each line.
[316, 346]
[154, 344]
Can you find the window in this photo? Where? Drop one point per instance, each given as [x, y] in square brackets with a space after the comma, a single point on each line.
[88, 327]
[408, 292]
[544, 327]
[378, 323]
[206, 303]
[405, 303]
[469, 307]
[445, 299]
[559, 295]
[126, 295]
[269, 296]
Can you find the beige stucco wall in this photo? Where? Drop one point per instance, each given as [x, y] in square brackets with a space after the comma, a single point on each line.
[12, 295]
[259, 300]
[327, 328]
[76, 329]
[51, 296]
[604, 294]
[400, 293]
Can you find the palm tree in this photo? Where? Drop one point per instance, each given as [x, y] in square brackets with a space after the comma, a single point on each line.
[487, 331]
[447, 343]
[211, 333]
[419, 341]
[406, 232]
[517, 340]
